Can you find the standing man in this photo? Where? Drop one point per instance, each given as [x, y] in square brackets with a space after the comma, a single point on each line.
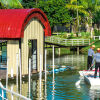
[90, 57]
[97, 62]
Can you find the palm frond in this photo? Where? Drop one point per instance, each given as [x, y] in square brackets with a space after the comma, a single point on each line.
[97, 8]
[11, 4]
[84, 12]
[73, 1]
[75, 7]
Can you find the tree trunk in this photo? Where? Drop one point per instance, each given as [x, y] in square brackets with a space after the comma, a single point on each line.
[87, 27]
[91, 32]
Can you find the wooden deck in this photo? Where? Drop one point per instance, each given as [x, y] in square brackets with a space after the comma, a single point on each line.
[2, 74]
[66, 42]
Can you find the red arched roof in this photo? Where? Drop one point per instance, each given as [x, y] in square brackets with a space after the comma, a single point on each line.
[13, 21]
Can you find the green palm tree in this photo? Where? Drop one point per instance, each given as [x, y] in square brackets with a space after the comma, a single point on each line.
[11, 4]
[75, 6]
[87, 7]
[91, 6]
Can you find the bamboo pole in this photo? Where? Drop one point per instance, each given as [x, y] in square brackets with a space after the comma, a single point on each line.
[45, 65]
[29, 85]
[12, 98]
[53, 81]
[40, 76]
[7, 73]
[20, 65]
[53, 61]
[45, 74]
[17, 71]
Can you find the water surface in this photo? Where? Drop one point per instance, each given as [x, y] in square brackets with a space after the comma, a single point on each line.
[63, 86]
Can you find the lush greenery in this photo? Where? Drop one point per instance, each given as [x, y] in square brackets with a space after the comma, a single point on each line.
[29, 3]
[77, 15]
[96, 43]
[63, 51]
[81, 17]
[11, 4]
[55, 11]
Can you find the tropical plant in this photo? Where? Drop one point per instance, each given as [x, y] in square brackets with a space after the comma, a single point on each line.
[85, 9]
[29, 3]
[92, 6]
[77, 10]
[55, 11]
[11, 4]
[96, 20]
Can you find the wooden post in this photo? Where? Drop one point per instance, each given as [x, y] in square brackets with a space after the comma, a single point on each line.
[12, 73]
[59, 51]
[32, 55]
[99, 37]
[83, 42]
[40, 76]
[94, 37]
[2, 94]
[7, 74]
[20, 65]
[77, 50]
[17, 71]
[66, 42]
[45, 74]
[53, 61]
[29, 85]
[45, 64]
[53, 82]
[12, 98]
[72, 42]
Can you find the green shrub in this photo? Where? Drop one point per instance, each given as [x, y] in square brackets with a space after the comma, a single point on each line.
[85, 34]
[96, 32]
[71, 36]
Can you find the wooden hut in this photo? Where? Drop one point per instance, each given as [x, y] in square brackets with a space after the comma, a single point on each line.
[24, 30]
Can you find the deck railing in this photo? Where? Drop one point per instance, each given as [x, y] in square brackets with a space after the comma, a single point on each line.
[5, 91]
[94, 37]
[67, 42]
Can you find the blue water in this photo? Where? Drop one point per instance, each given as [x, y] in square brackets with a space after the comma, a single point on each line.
[63, 86]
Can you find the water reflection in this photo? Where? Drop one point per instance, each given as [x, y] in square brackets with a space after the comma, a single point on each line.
[79, 61]
[34, 90]
[95, 93]
[62, 86]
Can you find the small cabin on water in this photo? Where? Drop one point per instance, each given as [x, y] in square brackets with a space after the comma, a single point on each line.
[24, 30]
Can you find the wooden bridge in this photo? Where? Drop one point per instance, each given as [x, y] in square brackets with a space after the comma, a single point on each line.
[52, 40]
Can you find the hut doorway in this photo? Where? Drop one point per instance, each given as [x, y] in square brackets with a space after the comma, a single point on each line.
[3, 53]
[33, 54]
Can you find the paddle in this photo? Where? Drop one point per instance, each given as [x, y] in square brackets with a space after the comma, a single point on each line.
[91, 67]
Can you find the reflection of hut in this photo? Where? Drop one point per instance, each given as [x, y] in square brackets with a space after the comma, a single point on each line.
[24, 30]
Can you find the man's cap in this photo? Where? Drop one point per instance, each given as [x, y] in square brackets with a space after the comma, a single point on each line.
[93, 46]
[98, 50]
